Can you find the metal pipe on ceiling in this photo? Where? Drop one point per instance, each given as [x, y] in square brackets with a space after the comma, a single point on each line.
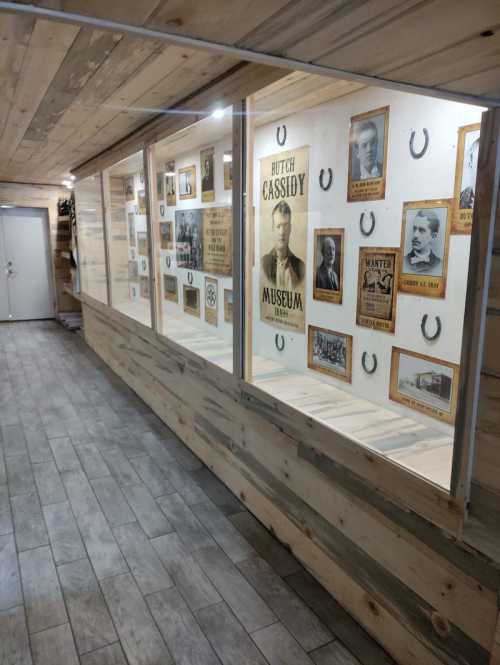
[241, 53]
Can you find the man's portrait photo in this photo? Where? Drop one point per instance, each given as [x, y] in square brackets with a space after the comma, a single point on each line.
[281, 267]
[469, 170]
[367, 155]
[424, 247]
[465, 178]
[207, 175]
[328, 264]
[187, 183]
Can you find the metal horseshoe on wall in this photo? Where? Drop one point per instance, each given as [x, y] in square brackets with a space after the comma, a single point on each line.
[421, 153]
[280, 345]
[326, 187]
[168, 261]
[423, 328]
[190, 277]
[162, 210]
[362, 224]
[281, 141]
[363, 362]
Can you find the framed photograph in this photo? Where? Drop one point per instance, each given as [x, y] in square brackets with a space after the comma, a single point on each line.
[228, 305]
[330, 352]
[207, 175]
[133, 272]
[368, 137]
[189, 239]
[191, 300]
[144, 287]
[187, 183]
[465, 178]
[228, 169]
[328, 265]
[128, 185]
[378, 270]
[425, 384]
[170, 288]
[170, 182]
[211, 300]
[166, 235]
[131, 229]
[160, 179]
[141, 197]
[142, 243]
[424, 247]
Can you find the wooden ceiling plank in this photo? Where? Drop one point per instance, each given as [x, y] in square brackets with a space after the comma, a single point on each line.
[88, 51]
[487, 80]
[213, 20]
[15, 33]
[396, 43]
[48, 46]
[129, 11]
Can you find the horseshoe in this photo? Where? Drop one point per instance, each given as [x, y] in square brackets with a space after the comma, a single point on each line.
[423, 328]
[162, 210]
[363, 362]
[326, 187]
[279, 346]
[190, 277]
[281, 141]
[414, 153]
[362, 226]
[169, 261]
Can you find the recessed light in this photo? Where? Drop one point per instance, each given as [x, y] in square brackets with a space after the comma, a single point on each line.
[7, 205]
[218, 114]
[228, 158]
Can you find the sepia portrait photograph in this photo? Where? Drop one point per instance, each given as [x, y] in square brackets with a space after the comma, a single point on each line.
[160, 180]
[141, 199]
[189, 239]
[368, 155]
[128, 184]
[228, 305]
[131, 229]
[187, 183]
[211, 300]
[170, 288]
[377, 288]
[228, 169]
[465, 178]
[144, 287]
[330, 352]
[328, 265]
[207, 175]
[166, 235]
[424, 247]
[191, 299]
[170, 183]
[423, 383]
[142, 243]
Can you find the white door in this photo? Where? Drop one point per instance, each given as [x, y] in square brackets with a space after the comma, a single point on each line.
[25, 282]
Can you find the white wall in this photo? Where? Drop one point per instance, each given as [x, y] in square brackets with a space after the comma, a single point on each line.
[325, 129]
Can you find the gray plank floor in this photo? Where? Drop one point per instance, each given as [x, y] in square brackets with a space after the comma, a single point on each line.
[118, 546]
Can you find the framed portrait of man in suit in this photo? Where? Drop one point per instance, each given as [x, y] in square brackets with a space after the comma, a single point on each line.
[207, 175]
[368, 138]
[465, 178]
[328, 265]
[424, 247]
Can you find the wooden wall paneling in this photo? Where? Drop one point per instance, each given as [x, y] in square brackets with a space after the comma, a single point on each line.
[38, 196]
[356, 548]
[48, 46]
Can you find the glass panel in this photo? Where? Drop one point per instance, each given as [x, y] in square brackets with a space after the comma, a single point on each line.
[91, 251]
[362, 205]
[128, 245]
[193, 227]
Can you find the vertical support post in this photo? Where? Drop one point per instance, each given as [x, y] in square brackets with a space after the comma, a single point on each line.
[239, 305]
[249, 231]
[483, 228]
[151, 225]
[106, 230]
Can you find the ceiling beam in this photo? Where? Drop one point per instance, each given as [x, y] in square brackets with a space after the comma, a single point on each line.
[242, 53]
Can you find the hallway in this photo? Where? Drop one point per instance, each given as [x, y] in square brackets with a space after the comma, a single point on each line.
[117, 545]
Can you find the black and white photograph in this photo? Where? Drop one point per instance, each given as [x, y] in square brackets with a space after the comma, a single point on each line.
[368, 155]
[187, 183]
[207, 175]
[328, 265]
[424, 383]
[424, 247]
[330, 352]
[465, 178]
[170, 182]
[189, 239]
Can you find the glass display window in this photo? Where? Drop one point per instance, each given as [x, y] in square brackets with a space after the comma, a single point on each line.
[193, 231]
[91, 245]
[125, 196]
[358, 219]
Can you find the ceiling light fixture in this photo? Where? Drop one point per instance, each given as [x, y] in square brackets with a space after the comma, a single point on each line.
[218, 114]
[228, 157]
